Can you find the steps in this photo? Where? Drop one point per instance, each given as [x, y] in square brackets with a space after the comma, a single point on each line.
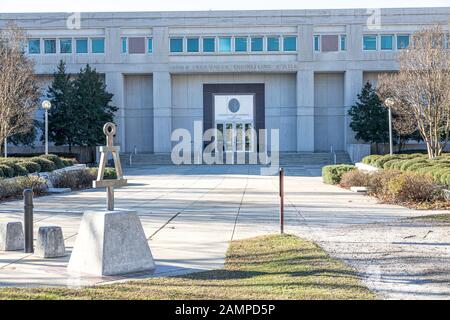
[286, 158]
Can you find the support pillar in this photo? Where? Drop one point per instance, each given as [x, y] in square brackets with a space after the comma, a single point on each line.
[162, 111]
[305, 111]
[353, 85]
[115, 84]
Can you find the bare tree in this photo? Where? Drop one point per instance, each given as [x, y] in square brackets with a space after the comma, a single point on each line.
[421, 88]
[19, 91]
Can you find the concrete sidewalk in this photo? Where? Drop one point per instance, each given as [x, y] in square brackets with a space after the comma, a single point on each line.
[191, 213]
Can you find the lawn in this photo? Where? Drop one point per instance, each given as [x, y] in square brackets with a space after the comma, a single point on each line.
[268, 267]
[444, 218]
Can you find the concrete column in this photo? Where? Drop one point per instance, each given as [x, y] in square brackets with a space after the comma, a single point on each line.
[353, 86]
[305, 42]
[162, 111]
[305, 110]
[115, 85]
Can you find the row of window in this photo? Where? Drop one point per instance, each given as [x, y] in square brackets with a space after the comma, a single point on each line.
[233, 44]
[49, 46]
[373, 42]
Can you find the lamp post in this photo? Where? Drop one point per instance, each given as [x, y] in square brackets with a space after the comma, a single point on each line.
[46, 105]
[389, 103]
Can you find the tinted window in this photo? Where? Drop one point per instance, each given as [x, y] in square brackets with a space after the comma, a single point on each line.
[65, 45]
[98, 45]
[257, 44]
[343, 42]
[124, 45]
[316, 43]
[192, 45]
[273, 44]
[34, 46]
[209, 45]
[150, 45]
[330, 43]
[370, 43]
[402, 42]
[225, 44]
[240, 44]
[176, 45]
[50, 46]
[82, 45]
[290, 43]
[386, 42]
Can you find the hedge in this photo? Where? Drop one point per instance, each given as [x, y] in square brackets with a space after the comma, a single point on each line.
[438, 168]
[22, 166]
[332, 174]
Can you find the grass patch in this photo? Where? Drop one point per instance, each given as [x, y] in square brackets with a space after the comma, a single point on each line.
[268, 267]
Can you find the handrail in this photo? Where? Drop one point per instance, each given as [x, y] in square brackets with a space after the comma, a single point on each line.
[333, 155]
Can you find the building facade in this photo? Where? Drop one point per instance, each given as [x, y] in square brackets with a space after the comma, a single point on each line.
[297, 71]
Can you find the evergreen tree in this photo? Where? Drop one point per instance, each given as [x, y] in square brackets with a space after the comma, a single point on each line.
[92, 104]
[80, 108]
[369, 118]
[63, 118]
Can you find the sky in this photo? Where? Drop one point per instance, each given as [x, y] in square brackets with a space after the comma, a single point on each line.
[190, 5]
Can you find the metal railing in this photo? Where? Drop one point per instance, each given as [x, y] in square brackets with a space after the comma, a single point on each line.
[333, 155]
[131, 155]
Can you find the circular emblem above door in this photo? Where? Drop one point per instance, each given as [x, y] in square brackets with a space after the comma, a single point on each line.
[234, 105]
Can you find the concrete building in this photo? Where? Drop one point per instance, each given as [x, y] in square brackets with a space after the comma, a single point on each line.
[297, 71]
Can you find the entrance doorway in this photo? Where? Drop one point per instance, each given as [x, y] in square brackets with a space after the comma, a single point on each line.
[234, 123]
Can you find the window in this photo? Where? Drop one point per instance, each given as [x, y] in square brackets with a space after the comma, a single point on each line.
[370, 42]
[98, 45]
[257, 44]
[49, 46]
[65, 45]
[193, 45]
[329, 43]
[343, 41]
[290, 43]
[273, 44]
[82, 45]
[176, 45]
[240, 44]
[124, 45]
[387, 42]
[225, 44]
[209, 44]
[402, 41]
[316, 43]
[34, 46]
[149, 45]
[136, 45]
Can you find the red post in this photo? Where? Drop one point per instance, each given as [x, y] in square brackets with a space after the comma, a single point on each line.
[281, 174]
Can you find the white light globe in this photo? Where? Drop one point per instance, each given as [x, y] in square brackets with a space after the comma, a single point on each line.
[46, 105]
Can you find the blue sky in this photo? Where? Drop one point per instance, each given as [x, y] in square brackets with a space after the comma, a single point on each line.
[182, 5]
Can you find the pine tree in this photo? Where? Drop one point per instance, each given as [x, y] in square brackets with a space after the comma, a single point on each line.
[369, 118]
[92, 103]
[63, 118]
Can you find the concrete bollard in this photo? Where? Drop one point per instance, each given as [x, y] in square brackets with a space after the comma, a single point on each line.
[50, 242]
[11, 236]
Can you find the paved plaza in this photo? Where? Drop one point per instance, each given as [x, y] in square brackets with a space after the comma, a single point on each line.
[191, 213]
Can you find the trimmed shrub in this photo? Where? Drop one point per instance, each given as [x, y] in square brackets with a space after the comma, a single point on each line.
[332, 174]
[110, 173]
[355, 178]
[14, 188]
[379, 163]
[79, 179]
[409, 163]
[19, 170]
[68, 162]
[378, 182]
[55, 159]
[370, 159]
[7, 171]
[410, 186]
[32, 167]
[46, 165]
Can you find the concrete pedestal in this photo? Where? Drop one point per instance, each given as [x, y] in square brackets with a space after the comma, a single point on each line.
[50, 242]
[11, 236]
[111, 243]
